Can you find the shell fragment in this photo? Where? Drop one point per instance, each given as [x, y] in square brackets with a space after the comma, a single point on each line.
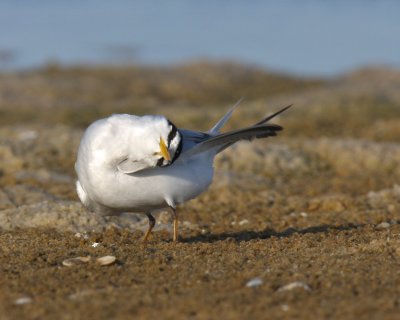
[106, 260]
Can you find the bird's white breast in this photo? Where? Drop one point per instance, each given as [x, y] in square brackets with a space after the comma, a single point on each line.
[148, 190]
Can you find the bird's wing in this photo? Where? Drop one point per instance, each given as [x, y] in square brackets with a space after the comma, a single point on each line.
[266, 119]
[191, 138]
[221, 141]
[198, 142]
[194, 136]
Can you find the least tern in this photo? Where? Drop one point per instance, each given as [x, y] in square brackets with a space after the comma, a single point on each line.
[130, 163]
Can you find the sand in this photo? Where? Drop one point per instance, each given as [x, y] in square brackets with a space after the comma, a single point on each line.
[304, 225]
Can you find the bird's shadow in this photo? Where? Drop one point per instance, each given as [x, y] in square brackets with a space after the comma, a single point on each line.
[267, 233]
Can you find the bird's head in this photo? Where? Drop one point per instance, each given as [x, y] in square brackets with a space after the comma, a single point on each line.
[135, 143]
[167, 143]
[153, 141]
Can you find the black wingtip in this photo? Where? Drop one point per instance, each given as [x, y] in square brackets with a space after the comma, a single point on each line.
[273, 115]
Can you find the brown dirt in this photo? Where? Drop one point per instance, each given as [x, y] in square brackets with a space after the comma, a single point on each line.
[306, 225]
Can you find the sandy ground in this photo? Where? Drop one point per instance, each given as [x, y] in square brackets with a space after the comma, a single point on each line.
[305, 225]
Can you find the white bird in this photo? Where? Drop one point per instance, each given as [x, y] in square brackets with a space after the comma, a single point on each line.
[128, 163]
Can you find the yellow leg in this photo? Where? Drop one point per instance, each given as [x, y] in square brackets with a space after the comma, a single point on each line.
[175, 216]
[152, 223]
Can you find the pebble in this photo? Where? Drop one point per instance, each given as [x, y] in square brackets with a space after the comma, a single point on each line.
[95, 244]
[75, 261]
[301, 214]
[28, 135]
[382, 226]
[106, 260]
[80, 235]
[255, 282]
[103, 261]
[294, 285]
[243, 222]
[23, 300]
[285, 307]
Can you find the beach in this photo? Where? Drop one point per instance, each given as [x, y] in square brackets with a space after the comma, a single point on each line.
[301, 225]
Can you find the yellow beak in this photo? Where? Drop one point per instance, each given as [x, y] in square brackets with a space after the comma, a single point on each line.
[164, 150]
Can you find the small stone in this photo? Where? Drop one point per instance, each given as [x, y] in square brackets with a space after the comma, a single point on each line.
[285, 307]
[106, 260]
[75, 261]
[95, 244]
[23, 300]
[382, 226]
[242, 222]
[27, 135]
[294, 285]
[81, 235]
[230, 240]
[255, 282]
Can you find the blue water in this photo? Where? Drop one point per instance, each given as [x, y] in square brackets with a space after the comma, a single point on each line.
[306, 37]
